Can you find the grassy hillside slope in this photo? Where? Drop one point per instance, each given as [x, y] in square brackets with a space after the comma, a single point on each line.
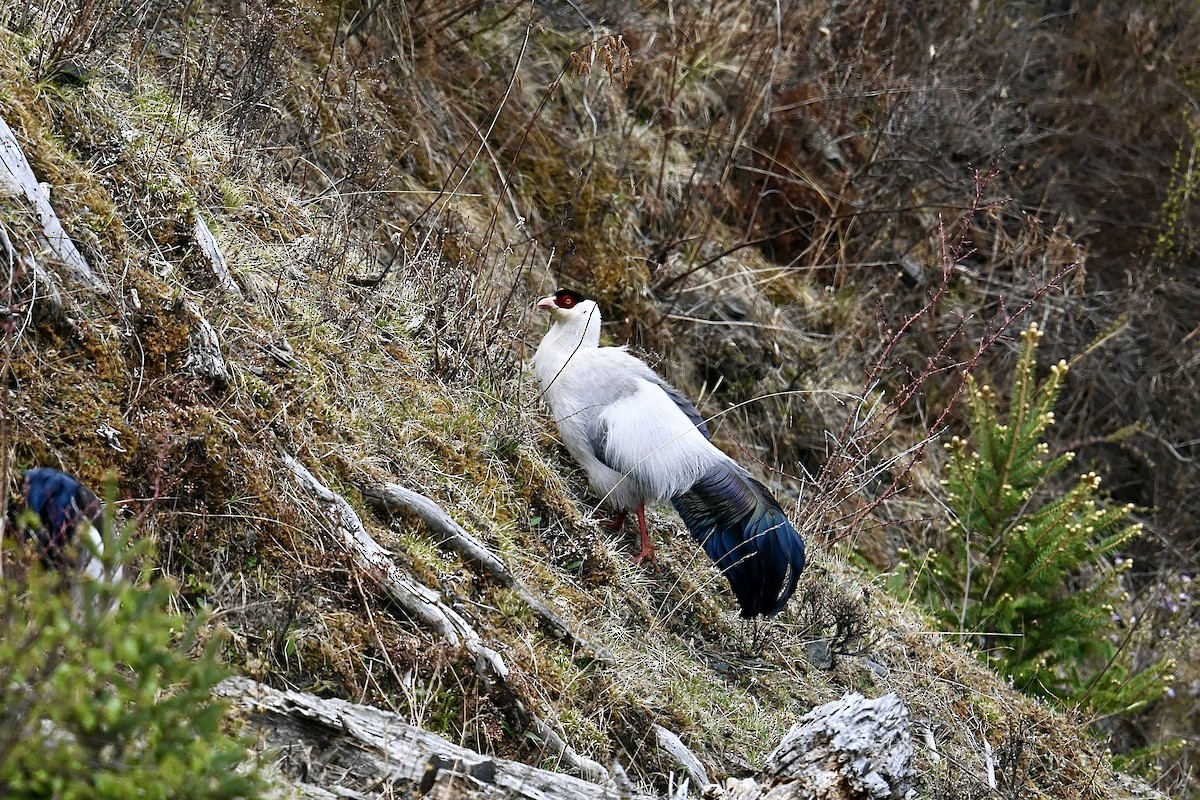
[814, 218]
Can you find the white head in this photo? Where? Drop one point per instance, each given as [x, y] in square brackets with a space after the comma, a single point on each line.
[573, 317]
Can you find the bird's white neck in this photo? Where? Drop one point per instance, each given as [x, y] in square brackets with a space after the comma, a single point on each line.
[570, 332]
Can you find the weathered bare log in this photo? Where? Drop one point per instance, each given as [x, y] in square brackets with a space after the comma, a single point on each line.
[214, 257]
[42, 280]
[392, 497]
[419, 601]
[310, 792]
[426, 606]
[734, 789]
[850, 749]
[363, 749]
[670, 742]
[204, 349]
[17, 180]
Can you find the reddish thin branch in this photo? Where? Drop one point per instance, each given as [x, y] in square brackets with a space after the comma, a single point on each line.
[848, 467]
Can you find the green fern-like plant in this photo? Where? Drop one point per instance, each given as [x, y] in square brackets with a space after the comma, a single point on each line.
[1028, 570]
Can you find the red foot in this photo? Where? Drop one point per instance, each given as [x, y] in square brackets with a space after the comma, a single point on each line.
[648, 548]
[616, 523]
[646, 555]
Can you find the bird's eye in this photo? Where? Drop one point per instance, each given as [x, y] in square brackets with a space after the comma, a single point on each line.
[565, 298]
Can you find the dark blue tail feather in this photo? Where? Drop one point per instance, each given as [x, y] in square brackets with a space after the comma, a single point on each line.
[746, 534]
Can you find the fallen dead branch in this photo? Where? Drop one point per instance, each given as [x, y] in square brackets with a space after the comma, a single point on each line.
[204, 348]
[214, 257]
[17, 180]
[392, 497]
[425, 605]
[853, 748]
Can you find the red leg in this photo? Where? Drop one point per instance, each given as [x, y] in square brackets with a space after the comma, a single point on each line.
[616, 523]
[647, 553]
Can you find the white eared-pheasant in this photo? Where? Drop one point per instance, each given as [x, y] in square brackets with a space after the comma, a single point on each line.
[642, 442]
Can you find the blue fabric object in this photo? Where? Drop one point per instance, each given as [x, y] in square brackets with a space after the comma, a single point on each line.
[62, 503]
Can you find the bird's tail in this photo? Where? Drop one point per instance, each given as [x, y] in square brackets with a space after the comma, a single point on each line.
[746, 534]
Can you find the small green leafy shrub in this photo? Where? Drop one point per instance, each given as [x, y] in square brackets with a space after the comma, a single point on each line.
[1026, 567]
[98, 695]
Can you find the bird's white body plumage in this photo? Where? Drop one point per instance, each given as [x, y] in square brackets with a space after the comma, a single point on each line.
[618, 419]
[641, 442]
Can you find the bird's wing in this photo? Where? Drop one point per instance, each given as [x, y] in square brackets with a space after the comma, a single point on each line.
[647, 436]
[684, 405]
[616, 413]
[599, 431]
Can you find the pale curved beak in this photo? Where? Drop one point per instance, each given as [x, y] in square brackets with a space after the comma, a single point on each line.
[546, 302]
